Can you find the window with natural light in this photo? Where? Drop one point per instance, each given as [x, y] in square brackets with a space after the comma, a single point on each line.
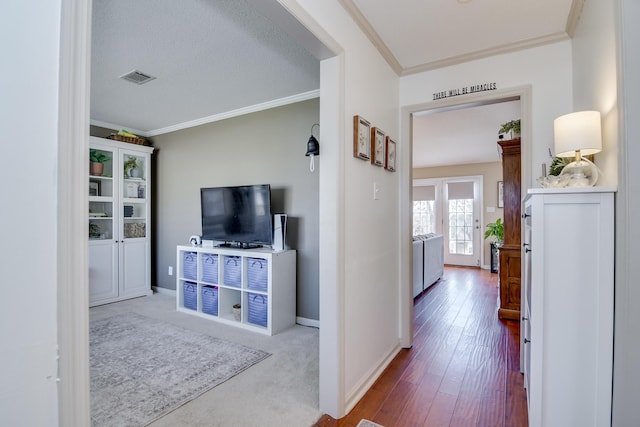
[424, 218]
[460, 226]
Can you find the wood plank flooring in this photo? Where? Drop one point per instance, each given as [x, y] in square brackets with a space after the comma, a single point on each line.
[463, 369]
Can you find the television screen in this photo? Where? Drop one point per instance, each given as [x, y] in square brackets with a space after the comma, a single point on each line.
[237, 215]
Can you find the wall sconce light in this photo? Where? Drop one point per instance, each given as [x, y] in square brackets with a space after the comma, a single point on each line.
[313, 148]
[578, 134]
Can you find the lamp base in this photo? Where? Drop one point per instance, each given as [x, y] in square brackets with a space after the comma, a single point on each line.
[581, 173]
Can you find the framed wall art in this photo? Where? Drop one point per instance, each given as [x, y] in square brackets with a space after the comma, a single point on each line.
[378, 147]
[361, 138]
[390, 160]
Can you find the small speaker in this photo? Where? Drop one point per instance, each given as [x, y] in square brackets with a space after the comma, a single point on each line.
[279, 232]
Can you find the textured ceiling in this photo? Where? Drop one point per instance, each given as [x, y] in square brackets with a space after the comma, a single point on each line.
[213, 59]
[209, 57]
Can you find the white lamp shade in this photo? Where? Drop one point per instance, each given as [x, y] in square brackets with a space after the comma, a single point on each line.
[578, 131]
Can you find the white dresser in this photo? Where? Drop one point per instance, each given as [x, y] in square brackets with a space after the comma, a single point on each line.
[567, 306]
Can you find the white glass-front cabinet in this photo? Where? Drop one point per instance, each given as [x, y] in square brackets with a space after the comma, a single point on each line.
[119, 221]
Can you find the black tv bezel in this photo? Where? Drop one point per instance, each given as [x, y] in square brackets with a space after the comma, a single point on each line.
[237, 243]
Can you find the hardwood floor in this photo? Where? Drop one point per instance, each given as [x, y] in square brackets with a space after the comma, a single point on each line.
[463, 369]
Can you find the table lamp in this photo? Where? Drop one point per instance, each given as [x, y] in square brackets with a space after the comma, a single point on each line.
[578, 134]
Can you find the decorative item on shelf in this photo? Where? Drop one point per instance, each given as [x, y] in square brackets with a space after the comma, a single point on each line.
[126, 136]
[94, 231]
[578, 134]
[236, 312]
[195, 240]
[313, 148]
[509, 130]
[131, 168]
[495, 230]
[97, 160]
[94, 188]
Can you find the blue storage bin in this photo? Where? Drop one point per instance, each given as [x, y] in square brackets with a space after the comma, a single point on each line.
[210, 268]
[210, 300]
[190, 265]
[190, 295]
[232, 270]
[257, 309]
[257, 274]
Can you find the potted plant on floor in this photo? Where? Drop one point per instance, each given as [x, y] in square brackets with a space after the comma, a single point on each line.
[97, 160]
[495, 230]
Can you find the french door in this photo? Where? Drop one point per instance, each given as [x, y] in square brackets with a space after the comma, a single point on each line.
[461, 221]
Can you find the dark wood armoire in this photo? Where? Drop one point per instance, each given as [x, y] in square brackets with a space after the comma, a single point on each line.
[509, 270]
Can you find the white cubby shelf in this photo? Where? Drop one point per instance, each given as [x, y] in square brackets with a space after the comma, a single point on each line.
[262, 281]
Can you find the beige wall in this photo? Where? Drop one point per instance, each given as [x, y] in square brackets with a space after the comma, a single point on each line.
[491, 173]
[266, 147]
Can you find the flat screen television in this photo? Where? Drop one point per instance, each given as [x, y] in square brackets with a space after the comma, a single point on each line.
[237, 216]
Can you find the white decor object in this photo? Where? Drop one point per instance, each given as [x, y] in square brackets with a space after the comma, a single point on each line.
[277, 289]
[567, 306]
[579, 134]
[119, 224]
[279, 232]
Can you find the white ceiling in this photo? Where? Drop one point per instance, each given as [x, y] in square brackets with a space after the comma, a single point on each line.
[214, 59]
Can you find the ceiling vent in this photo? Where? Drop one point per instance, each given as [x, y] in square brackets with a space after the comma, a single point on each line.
[137, 77]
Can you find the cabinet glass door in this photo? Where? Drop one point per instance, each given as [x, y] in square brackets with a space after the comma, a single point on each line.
[101, 196]
[134, 195]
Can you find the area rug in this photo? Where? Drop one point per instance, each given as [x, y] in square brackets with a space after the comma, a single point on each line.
[142, 368]
[367, 423]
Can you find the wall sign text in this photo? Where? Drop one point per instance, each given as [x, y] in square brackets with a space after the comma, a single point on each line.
[465, 90]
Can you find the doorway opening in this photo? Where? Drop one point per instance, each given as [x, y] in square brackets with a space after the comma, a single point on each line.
[463, 157]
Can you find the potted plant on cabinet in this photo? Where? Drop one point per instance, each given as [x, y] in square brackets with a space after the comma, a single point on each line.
[509, 130]
[97, 160]
[131, 167]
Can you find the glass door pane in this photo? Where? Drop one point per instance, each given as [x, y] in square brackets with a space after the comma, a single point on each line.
[101, 202]
[134, 195]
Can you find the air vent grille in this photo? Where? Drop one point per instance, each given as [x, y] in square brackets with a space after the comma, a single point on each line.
[137, 77]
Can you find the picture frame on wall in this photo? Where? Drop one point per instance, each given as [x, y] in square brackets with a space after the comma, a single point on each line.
[361, 138]
[390, 159]
[378, 147]
[94, 188]
[500, 194]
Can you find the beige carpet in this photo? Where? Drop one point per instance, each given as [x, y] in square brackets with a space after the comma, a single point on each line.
[281, 390]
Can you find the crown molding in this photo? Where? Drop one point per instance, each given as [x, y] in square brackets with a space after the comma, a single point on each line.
[372, 35]
[217, 117]
[574, 16]
[485, 53]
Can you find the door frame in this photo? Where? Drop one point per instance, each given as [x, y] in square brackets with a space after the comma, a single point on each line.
[405, 160]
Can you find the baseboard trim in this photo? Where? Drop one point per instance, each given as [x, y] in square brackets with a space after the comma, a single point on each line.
[367, 382]
[163, 291]
[308, 322]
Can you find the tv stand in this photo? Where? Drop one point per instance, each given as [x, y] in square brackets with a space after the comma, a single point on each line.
[212, 283]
